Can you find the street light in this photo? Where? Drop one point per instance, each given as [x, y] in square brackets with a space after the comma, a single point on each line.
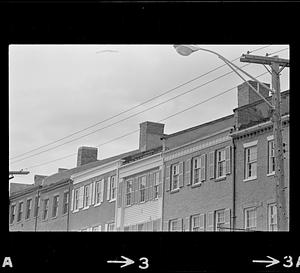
[275, 62]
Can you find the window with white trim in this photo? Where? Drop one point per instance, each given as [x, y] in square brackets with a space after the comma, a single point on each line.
[141, 227]
[156, 184]
[271, 157]
[76, 199]
[175, 225]
[20, 211]
[86, 196]
[196, 171]
[221, 163]
[96, 228]
[175, 177]
[28, 208]
[129, 192]
[113, 187]
[111, 227]
[97, 192]
[195, 223]
[272, 217]
[65, 202]
[46, 209]
[126, 228]
[12, 213]
[250, 219]
[55, 205]
[219, 219]
[142, 188]
[250, 162]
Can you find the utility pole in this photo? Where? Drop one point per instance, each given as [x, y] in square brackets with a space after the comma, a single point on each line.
[275, 63]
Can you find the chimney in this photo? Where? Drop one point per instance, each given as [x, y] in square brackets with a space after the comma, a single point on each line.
[86, 155]
[150, 134]
[246, 95]
[61, 170]
[38, 179]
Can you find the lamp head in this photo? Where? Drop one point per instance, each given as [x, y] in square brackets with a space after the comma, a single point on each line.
[185, 50]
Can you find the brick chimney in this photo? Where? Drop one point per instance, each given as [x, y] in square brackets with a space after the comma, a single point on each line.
[86, 155]
[38, 179]
[150, 134]
[246, 95]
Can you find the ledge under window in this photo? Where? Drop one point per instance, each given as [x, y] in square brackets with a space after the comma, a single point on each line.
[175, 190]
[196, 185]
[98, 204]
[85, 208]
[221, 178]
[250, 178]
[271, 174]
[112, 200]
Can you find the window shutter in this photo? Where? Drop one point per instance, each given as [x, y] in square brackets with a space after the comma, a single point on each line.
[181, 174]
[167, 181]
[165, 225]
[210, 221]
[211, 164]
[149, 226]
[227, 220]
[80, 205]
[151, 184]
[108, 188]
[187, 223]
[228, 159]
[136, 190]
[202, 222]
[134, 227]
[90, 194]
[120, 192]
[159, 190]
[93, 185]
[102, 190]
[72, 200]
[187, 171]
[106, 227]
[203, 167]
[147, 190]
[180, 224]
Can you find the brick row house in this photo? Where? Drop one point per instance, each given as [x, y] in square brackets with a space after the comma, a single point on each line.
[217, 176]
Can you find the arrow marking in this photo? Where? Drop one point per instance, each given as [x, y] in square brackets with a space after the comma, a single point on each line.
[270, 262]
[126, 261]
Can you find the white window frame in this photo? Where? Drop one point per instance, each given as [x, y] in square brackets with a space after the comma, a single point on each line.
[193, 226]
[65, 202]
[271, 157]
[176, 222]
[272, 218]
[113, 188]
[196, 169]
[219, 224]
[28, 208]
[250, 162]
[46, 201]
[13, 209]
[247, 219]
[98, 192]
[86, 195]
[156, 184]
[129, 194]
[221, 163]
[111, 226]
[175, 176]
[56, 211]
[76, 199]
[20, 209]
[142, 181]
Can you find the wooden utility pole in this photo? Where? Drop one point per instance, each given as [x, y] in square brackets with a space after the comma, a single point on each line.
[275, 63]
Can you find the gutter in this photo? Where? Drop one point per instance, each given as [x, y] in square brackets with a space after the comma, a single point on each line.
[234, 186]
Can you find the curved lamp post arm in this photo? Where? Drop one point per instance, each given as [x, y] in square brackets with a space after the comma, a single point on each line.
[186, 50]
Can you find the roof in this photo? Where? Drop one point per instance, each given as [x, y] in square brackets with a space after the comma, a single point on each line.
[141, 155]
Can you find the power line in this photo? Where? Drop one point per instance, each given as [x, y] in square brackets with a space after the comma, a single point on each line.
[129, 109]
[132, 132]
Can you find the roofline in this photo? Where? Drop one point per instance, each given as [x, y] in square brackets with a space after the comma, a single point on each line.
[140, 160]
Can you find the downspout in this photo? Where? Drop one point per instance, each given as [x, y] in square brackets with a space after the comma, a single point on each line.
[163, 183]
[69, 205]
[233, 187]
[36, 208]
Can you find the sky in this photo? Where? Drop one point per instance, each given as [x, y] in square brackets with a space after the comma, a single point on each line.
[58, 90]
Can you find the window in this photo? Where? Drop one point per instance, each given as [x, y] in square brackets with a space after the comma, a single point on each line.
[272, 215]
[221, 163]
[86, 195]
[250, 219]
[46, 208]
[156, 225]
[98, 192]
[111, 227]
[65, 202]
[126, 228]
[271, 157]
[196, 171]
[156, 184]
[142, 188]
[28, 208]
[250, 162]
[129, 192]
[141, 227]
[37, 206]
[96, 228]
[174, 225]
[195, 223]
[175, 177]
[55, 205]
[76, 199]
[20, 211]
[220, 219]
[113, 188]
[12, 213]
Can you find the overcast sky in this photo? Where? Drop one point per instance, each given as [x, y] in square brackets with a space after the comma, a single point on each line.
[56, 90]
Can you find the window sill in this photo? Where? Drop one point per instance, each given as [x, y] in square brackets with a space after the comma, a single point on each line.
[75, 210]
[112, 200]
[53, 217]
[175, 190]
[85, 208]
[271, 174]
[221, 178]
[97, 205]
[250, 179]
[196, 185]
